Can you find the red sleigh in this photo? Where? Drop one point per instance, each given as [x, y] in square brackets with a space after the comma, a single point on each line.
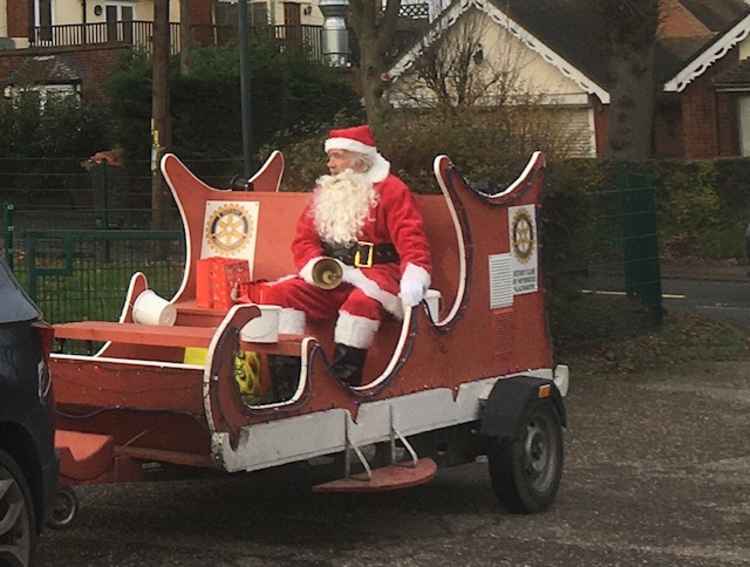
[472, 375]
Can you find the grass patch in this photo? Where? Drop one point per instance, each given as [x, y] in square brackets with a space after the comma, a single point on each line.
[616, 335]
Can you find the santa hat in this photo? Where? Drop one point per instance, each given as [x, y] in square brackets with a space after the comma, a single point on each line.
[359, 139]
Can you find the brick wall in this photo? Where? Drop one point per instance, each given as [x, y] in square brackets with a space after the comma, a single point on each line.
[676, 21]
[667, 137]
[709, 126]
[601, 125]
[92, 64]
[18, 18]
[728, 125]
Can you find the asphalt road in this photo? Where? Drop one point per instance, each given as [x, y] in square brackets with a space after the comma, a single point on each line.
[656, 473]
[727, 300]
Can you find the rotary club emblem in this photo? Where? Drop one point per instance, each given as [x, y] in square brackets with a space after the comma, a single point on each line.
[228, 229]
[522, 233]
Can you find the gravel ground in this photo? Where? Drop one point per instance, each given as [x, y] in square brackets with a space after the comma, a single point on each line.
[657, 471]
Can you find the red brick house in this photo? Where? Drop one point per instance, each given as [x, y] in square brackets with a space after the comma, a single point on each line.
[703, 105]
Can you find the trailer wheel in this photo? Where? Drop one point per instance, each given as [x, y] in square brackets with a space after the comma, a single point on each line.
[526, 470]
[64, 509]
[17, 529]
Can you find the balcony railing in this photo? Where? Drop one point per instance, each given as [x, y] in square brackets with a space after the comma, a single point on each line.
[139, 34]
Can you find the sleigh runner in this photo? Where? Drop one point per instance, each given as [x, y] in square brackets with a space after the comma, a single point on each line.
[469, 372]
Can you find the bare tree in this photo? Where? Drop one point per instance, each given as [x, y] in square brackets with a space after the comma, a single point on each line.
[375, 28]
[474, 78]
[460, 71]
[629, 37]
[186, 37]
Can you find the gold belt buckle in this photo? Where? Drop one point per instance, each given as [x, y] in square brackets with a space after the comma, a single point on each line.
[370, 255]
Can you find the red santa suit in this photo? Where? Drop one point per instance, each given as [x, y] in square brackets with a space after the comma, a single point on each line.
[385, 214]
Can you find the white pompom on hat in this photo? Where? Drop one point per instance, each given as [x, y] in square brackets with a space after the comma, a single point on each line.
[359, 139]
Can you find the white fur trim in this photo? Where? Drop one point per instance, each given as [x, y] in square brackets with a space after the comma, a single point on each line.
[349, 145]
[306, 272]
[418, 273]
[370, 288]
[291, 321]
[380, 169]
[355, 331]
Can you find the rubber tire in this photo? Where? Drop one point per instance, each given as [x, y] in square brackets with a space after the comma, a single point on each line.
[8, 463]
[66, 497]
[520, 487]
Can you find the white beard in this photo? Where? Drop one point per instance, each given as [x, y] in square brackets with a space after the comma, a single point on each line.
[341, 206]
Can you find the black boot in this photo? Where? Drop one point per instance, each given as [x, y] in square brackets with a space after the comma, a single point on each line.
[284, 375]
[348, 363]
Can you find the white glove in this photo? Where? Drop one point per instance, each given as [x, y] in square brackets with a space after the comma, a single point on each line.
[414, 284]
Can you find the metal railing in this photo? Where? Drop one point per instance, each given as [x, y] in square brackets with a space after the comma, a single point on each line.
[139, 34]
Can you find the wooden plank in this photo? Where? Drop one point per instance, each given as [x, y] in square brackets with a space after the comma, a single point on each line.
[177, 336]
[383, 479]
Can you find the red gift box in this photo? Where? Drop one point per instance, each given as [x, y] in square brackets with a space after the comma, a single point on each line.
[216, 278]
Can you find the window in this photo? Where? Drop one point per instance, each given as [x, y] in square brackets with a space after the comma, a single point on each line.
[743, 108]
[43, 19]
[119, 22]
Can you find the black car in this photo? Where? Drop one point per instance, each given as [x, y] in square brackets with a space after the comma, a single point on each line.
[28, 463]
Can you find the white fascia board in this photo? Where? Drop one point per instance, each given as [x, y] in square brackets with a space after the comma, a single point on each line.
[711, 55]
[457, 9]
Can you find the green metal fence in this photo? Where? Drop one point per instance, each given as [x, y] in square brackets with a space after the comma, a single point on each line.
[621, 242]
[84, 274]
[75, 245]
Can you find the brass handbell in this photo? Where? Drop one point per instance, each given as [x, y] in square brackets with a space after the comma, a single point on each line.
[327, 273]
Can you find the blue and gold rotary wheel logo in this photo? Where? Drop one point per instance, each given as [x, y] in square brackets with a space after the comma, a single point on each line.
[522, 233]
[228, 229]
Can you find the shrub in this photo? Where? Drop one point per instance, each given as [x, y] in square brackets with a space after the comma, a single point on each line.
[290, 96]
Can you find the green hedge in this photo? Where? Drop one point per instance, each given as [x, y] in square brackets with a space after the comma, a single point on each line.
[290, 97]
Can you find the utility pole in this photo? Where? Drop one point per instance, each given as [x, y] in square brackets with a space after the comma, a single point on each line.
[247, 136]
[161, 126]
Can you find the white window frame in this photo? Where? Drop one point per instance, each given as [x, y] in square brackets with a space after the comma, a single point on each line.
[37, 10]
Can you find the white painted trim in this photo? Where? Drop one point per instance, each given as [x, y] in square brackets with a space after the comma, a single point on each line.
[127, 361]
[462, 268]
[302, 437]
[301, 384]
[536, 156]
[457, 9]
[208, 367]
[185, 230]
[710, 55]
[395, 357]
[592, 128]
[123, 314]
[266, 165]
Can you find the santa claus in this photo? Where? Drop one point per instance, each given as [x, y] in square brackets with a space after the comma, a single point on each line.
[367, 220]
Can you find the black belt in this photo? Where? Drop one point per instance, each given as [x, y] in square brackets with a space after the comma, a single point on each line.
[362, 254]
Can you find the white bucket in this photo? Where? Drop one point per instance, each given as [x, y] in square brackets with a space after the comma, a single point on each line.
[263, 329]
[150, 309]
[432, 298]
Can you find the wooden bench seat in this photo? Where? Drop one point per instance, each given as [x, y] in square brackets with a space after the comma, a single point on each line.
[177, 336]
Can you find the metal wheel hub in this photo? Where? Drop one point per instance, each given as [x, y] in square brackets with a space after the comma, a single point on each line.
[536, 452]
[15, 531]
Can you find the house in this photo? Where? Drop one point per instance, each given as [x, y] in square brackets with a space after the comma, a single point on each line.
[71, 46]
[703, 106]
